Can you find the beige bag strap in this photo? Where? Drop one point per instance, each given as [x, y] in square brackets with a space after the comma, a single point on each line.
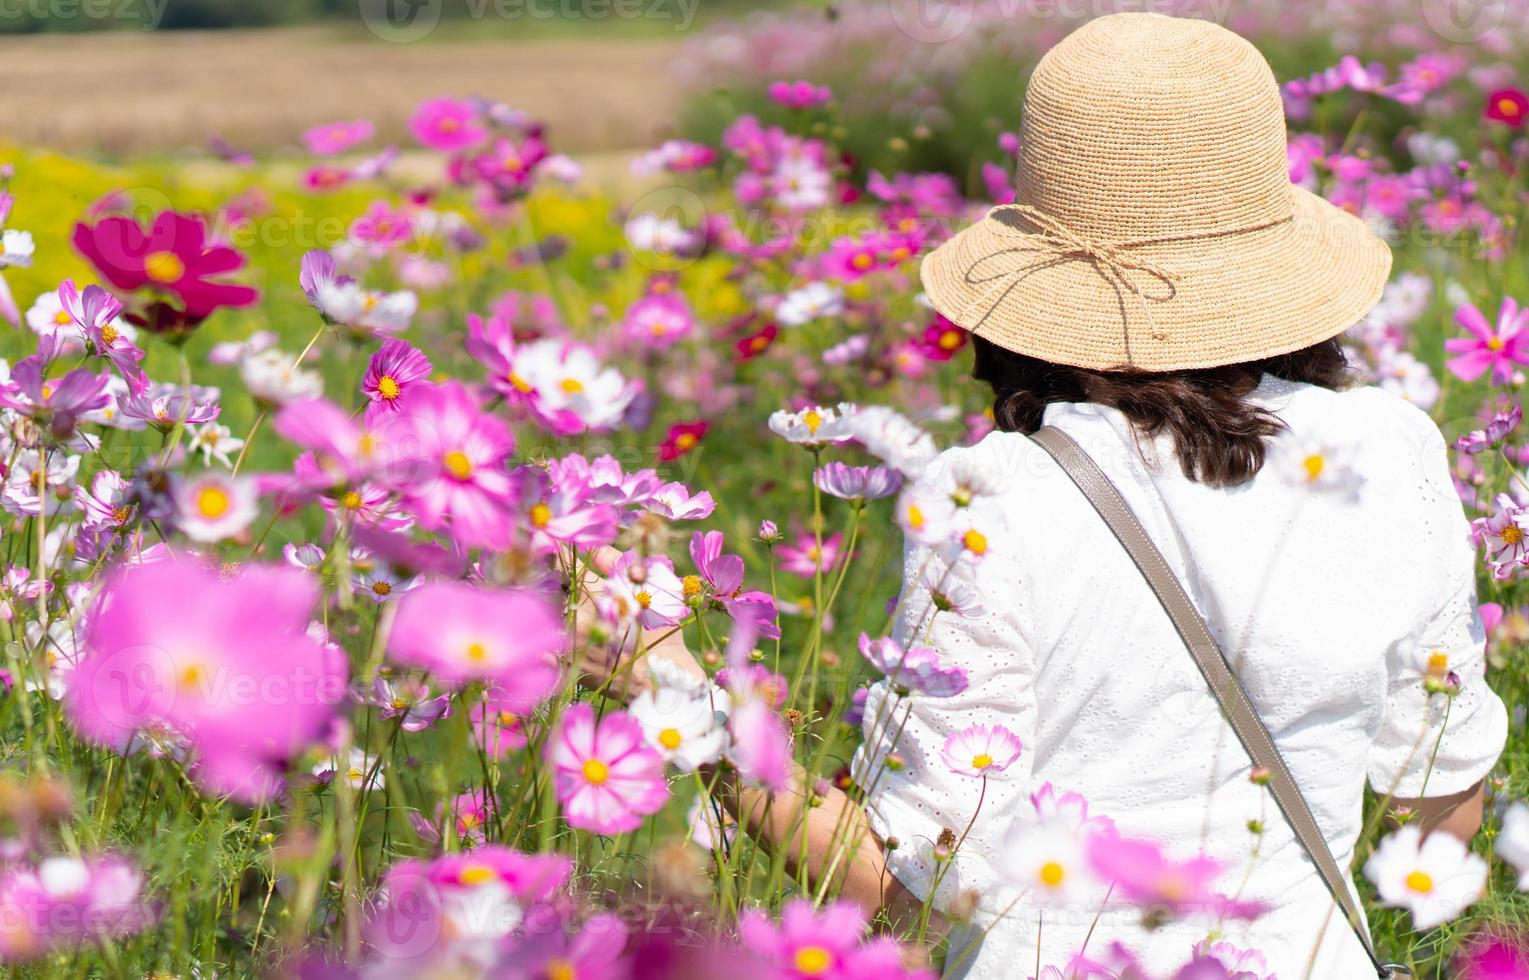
[1218, 674]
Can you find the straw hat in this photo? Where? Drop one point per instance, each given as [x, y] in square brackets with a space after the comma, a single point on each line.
[1155, 226]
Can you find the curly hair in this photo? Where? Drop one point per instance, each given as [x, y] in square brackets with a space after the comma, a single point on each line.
[1218, 435]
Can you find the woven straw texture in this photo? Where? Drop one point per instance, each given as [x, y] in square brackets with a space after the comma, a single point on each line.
[1155, 224]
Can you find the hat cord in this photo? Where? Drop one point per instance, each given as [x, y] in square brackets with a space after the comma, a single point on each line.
[1115, 264]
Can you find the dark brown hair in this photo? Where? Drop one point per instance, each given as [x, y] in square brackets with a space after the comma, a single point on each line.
[1218, 435]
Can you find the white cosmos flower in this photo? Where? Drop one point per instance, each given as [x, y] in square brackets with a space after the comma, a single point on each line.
[1322, 466]
[1047, 859]
[353, 768]
[213, 506]
[810, 302]
[214, 442]
[1435, 878]
[1512, 844]
[925, 514]
[815, 426]
[16, 248]
[892, 438]
[351, 304]
[271, 377]
[647, 232]
[569, 377]
[680, 726]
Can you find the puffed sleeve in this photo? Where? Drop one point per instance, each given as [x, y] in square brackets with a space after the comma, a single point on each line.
[1431, 742]
[983, 634]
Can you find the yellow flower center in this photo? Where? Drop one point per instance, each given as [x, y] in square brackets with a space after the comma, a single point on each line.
[164, 267]
[1438, 663]
[541, 515]
[975, 542]
[596, 772]
[1420, 882]
[572, 386]
[387, 387]
[191, 676]
[691, 586]
[1052, 874]
[812, 960]
[477, 652]
[915, 517]
[520, 384]
[1507, 107]
[1314, 465]
[109, 335]
[351, 500]
[1494, 343]
[862, 262]
[458, 465]
[212, 502]
[382, 588]
[558, 968]
[981, 761]
[669, 738]
[644, 599]
[62, 318]
[1512, 534]
[476, 874]
[812, 420]
[685, 442]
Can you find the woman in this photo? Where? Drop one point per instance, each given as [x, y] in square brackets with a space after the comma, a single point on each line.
[1164, 295]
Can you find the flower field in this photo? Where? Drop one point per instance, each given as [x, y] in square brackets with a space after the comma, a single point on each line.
[343, 508]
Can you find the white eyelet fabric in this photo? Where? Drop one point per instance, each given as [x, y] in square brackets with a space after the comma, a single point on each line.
[1326, 600]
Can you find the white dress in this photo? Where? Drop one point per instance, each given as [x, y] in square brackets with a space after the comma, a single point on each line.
[1327, 596]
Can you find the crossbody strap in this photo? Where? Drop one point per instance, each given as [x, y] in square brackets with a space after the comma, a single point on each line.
[1218, 673]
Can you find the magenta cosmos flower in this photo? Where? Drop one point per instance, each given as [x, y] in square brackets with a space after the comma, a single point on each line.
[172, 258]
[1508, 105]
[1497, 348]
[981, 750]
[452, 471]
[460, 632]
[606, 776]
[447, 125]
[397, 368]
[225, 662]
[1146, 876]
[799, 95]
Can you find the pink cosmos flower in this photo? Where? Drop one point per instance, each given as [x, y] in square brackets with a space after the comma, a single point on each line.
[592, 951]
[857, 482]
[659, 321]
[804, 558]
[799, 95]
[1505, 535]
[1494, 958]
[457, 632]
[163, 406]
[675, 502]
[396, 368]
[457, 479]
[1498, 348]
[760, 748]
[981, 750]
[408, 698]
[212, 506]
[826, 943]
[914, 669]
[58, 403]
[497, 723]
[464, 817]
[172, 258]
[332, 138]
[447, 125]
[606, 777]
[95, 312]
[1499, 428]
[381, 226]
[226, 662]
[68, 901]
[752, 610]
[1146, 876]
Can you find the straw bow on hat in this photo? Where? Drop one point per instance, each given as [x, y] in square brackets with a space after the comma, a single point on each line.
[1155, 226]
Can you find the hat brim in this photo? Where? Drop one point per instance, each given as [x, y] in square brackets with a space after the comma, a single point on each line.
[1221, 299]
